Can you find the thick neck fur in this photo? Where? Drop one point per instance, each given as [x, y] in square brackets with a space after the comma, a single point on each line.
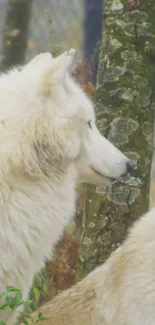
[32, 221]
[33, 214]
[34, 172]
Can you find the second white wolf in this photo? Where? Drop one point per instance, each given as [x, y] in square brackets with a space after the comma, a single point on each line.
[120, 292]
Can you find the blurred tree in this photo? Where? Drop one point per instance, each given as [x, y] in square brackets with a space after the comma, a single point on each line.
[15, 37]
[93, 20]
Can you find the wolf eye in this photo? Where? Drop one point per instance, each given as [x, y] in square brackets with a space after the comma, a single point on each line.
[89, 123]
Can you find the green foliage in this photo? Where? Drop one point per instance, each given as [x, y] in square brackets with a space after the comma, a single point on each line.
[12, 298]
[39, 290]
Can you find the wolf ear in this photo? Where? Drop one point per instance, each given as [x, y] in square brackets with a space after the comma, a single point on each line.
[40, 63]
[64, 62]
[47, 71]
[62, 65]
[55, 74]
[44, 64]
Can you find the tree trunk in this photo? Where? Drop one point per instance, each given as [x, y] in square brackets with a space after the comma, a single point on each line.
[93, 19]
[125, 104]
[16, 33]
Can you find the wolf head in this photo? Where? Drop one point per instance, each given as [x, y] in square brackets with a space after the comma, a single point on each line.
[52, 123]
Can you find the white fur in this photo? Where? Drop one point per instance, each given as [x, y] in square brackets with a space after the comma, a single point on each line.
[120, 292]
[46, 147]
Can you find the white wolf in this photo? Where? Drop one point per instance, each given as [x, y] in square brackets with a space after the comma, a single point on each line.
[48, 143]
[120, 292]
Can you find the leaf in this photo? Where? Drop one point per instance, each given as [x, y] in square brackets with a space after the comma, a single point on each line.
[36, 293]
[41, 317]
[116, 6]
[11, 289]
[14, 301]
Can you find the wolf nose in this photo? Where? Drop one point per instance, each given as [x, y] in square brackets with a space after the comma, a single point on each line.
[129, 166]
[131, 169]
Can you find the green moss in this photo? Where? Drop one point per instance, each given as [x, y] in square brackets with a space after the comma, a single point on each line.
[124, 106]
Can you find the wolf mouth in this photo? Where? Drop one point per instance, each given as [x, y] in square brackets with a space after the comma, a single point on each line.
[112, 179]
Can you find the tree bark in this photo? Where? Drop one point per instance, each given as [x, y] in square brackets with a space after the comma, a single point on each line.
[125, 103]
